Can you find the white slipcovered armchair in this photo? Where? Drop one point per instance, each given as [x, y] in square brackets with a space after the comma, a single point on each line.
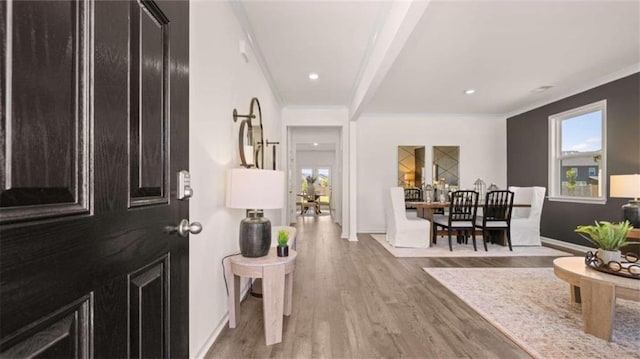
[401, 231]
[525, 222]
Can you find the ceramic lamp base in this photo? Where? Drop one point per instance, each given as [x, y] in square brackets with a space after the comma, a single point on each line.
[631, 212]
[255, 235]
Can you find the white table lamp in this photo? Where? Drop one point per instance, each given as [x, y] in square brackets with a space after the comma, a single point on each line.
[255, 190]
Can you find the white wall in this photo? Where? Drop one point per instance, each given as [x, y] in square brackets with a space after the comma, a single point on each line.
[482, 144]
[220, 80]
[315, 158]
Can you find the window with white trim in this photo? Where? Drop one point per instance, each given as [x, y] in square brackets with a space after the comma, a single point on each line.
[577, 154]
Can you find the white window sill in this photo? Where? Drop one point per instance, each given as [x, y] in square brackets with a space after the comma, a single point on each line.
[578, 200]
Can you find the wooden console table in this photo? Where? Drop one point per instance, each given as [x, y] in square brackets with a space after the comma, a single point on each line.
[277, 288]
[597, 292]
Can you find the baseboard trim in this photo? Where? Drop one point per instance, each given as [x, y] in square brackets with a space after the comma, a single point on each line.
[212, 338]
[373, 230]
[562, 245]
[204, 349]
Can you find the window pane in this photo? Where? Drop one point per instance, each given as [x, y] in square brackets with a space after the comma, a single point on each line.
[577, 165]
[323, 177]
[324, 181]
[582, 133]
[580, 177]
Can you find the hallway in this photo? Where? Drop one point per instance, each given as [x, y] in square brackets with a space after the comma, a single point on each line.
[355, 300]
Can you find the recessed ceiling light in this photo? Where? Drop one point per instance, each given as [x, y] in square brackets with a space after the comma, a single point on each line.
[315, 143]
[469, 91]
[313, 76]
[542, 88]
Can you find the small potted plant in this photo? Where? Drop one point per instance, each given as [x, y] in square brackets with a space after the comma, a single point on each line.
[283, 239]
[608, 237]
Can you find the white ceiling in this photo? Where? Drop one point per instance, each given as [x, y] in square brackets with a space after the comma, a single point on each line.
[503, 49]
[326, 37]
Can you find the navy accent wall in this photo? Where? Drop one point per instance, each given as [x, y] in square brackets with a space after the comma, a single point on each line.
[527, 153]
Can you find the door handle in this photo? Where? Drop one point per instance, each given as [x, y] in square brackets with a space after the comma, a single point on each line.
[184, 228]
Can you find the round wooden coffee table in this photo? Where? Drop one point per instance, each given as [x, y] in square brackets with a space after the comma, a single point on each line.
[597, 291]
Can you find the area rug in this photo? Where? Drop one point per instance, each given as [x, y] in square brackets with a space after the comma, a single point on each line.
[532, 307]
[441, 249]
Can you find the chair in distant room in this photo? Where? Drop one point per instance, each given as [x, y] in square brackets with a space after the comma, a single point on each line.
[525, 222]
[496, 215]
[412, 195]
[402, 231]
[308, 202]
[463, 207]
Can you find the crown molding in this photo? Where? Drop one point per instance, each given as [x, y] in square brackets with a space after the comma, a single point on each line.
[241, 16]
[433, 116]
[316, 108]
[579, 89]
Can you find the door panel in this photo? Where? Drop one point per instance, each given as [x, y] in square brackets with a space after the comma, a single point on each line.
[45, 110]
[65, 334]
[148, 318]
[149, 66]
[82, 258]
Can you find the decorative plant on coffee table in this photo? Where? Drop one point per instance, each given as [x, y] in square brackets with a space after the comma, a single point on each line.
[283, 239]
[609, 237]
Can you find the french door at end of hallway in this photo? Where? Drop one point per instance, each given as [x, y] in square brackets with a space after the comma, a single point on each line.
[322, 184]
[95, 126]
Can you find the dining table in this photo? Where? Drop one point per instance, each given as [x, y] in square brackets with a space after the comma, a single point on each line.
[426, 210]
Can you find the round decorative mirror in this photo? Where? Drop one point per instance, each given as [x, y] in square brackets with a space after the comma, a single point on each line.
[258, 138]
[251, 139]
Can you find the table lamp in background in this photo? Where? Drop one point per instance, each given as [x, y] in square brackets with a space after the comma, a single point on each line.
[409, 178]
[255, 190]
[628, 186]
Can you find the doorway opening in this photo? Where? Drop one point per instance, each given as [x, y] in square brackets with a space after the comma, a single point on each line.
[314, 172]
[315, 185]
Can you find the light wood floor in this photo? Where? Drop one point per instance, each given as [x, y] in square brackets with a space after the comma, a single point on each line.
[355, 300]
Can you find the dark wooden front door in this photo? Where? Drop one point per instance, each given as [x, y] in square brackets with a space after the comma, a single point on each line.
[94, 103]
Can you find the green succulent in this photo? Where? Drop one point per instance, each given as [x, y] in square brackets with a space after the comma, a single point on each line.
[606, 235]
[283, 238]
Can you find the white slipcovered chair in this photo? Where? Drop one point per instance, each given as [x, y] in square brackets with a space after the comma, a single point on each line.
[525, 222]
[401, 231]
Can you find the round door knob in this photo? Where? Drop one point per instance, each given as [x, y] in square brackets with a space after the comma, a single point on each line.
[184, 228]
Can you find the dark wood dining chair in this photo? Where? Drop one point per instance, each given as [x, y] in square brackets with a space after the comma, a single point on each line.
[412, 195]
[496, 215]
[310, 202]
[462, 216]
